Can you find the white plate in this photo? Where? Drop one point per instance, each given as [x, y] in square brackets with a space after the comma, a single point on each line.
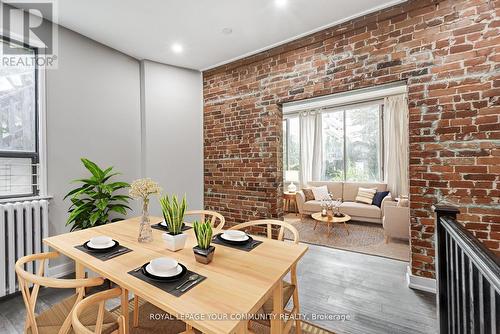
[150, 270]
[108, 245]
[163, 223]
[225, 237]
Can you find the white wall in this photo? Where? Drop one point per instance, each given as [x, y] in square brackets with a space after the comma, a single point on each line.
[93, 111]
[173, 124]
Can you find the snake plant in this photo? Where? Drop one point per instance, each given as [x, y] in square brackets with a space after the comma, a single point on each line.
[173, 212]
[203, 232]
[96, 199]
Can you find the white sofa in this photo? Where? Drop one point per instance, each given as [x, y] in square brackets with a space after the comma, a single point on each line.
[347, 191]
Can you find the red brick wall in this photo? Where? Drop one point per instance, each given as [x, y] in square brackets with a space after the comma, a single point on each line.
[447, 52]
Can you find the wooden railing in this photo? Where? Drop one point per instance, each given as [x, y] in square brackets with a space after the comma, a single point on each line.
[468, 278]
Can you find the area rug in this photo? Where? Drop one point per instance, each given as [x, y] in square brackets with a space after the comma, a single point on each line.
[367, 238]
[149, 323]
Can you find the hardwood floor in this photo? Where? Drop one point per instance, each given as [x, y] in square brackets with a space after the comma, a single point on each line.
[370, 291]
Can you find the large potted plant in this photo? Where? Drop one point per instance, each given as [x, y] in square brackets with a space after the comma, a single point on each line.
[203, 253]
[173, 213]
[96, 200]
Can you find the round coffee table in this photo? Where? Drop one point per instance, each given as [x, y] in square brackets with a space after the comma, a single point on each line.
[329, 220]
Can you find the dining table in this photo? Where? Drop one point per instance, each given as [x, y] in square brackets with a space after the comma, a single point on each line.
[237, 282]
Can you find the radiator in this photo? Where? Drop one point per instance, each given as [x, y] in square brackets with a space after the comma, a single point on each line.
[23, 225]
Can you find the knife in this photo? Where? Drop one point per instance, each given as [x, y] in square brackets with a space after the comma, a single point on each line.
[184, 289]
[116, 253]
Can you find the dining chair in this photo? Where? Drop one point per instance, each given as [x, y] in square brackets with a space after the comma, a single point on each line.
[216, 219]
[98, 324]
[56, 319]
[290, 290]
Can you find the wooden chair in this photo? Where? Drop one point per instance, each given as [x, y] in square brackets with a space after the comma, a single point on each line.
[56, 319]
[97, 301]
[290, 290]
[217, 221]
[203, 216]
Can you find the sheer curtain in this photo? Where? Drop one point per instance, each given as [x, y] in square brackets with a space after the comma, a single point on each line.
[310, 146]
[396, 144]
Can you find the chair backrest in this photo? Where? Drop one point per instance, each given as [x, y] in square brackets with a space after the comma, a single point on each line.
[269, 223]
[26, 279]
[216, 219]
[100, 300]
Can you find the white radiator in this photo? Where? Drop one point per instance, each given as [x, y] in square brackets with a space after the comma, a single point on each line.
[23, 225]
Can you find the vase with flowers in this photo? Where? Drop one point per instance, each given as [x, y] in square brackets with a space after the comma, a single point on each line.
[142, 189]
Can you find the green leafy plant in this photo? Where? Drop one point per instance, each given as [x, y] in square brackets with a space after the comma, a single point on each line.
[203, 232]
[95, 199]
[173, 212]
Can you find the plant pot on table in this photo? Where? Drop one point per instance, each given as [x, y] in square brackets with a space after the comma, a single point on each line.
[202, 255]
[174, 242]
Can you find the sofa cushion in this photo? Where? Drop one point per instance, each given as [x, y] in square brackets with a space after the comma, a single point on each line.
[320, 193]
[312, 206]
[365, 195]
[351, 189]
[308, 194]
[361, 210]
[334, 188]
[379, 197]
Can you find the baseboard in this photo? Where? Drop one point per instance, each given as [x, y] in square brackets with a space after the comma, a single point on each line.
[61, 270]
[420, 283]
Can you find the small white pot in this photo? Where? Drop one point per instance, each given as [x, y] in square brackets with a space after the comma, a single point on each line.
[174, 242]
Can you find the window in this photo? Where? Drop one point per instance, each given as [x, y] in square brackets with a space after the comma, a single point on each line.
[18, 127]
[291, 144]
[351, 143]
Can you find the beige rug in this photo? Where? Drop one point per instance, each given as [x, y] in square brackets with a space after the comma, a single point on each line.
[367, 238]
[148, 324]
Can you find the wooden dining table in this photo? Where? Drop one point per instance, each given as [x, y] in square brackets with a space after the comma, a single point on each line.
[237, 283]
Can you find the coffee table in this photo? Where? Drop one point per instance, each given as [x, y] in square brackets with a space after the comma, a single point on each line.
[331, 220]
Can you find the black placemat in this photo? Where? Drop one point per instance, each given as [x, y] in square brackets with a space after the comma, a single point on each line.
[168, 286]
[245, 247]
[164, 228]
[104, 256]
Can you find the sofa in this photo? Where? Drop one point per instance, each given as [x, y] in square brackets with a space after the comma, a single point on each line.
[347, 191]
[396, 222]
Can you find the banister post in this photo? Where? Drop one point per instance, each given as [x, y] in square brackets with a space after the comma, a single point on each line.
[442, 210]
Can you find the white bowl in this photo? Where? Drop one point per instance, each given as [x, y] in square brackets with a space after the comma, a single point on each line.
[234, 235]
[101, 240]
[164, 265]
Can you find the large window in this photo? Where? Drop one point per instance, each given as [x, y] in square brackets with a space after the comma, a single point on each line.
[351, 140]
[18, 127]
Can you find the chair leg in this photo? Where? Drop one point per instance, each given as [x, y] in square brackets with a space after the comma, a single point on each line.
[387, 239]
[295, 298]
[136, 311]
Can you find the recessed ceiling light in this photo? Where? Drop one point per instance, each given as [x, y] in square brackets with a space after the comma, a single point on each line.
[177, 48]
[280, 3]
[227, 31]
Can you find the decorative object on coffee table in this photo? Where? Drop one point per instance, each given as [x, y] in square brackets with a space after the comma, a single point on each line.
[173, 213]
[330, 220]
[203, 252]
[142, 189]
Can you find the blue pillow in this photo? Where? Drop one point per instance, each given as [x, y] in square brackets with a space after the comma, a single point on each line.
[379, 196]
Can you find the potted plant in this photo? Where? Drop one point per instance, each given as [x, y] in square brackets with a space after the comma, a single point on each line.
[173, 212]
[142, 189]
[96, 199]
[203, 253]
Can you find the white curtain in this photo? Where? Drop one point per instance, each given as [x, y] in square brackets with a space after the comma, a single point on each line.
[396, 144]
[310, 146]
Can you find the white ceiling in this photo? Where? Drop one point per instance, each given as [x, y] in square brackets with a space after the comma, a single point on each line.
[147, 29]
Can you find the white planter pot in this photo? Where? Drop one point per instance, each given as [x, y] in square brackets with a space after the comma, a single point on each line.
[175, 242]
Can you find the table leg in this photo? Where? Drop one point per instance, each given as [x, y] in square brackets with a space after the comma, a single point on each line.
[346, 228]
[124, 309]
[329, 228]
[277, 318]
[79, 272]
[242, 328]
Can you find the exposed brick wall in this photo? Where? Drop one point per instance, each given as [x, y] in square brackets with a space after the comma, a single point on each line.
[447, 53]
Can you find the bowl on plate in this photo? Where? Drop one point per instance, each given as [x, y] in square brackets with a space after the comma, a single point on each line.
[164, 266]
[234, 235]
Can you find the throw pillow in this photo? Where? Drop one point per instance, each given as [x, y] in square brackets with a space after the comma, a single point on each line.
[365, 195]
[379, 196]
[308, 194]
[320, 193]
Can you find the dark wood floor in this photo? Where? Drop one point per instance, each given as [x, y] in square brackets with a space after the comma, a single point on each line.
[369, 291]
